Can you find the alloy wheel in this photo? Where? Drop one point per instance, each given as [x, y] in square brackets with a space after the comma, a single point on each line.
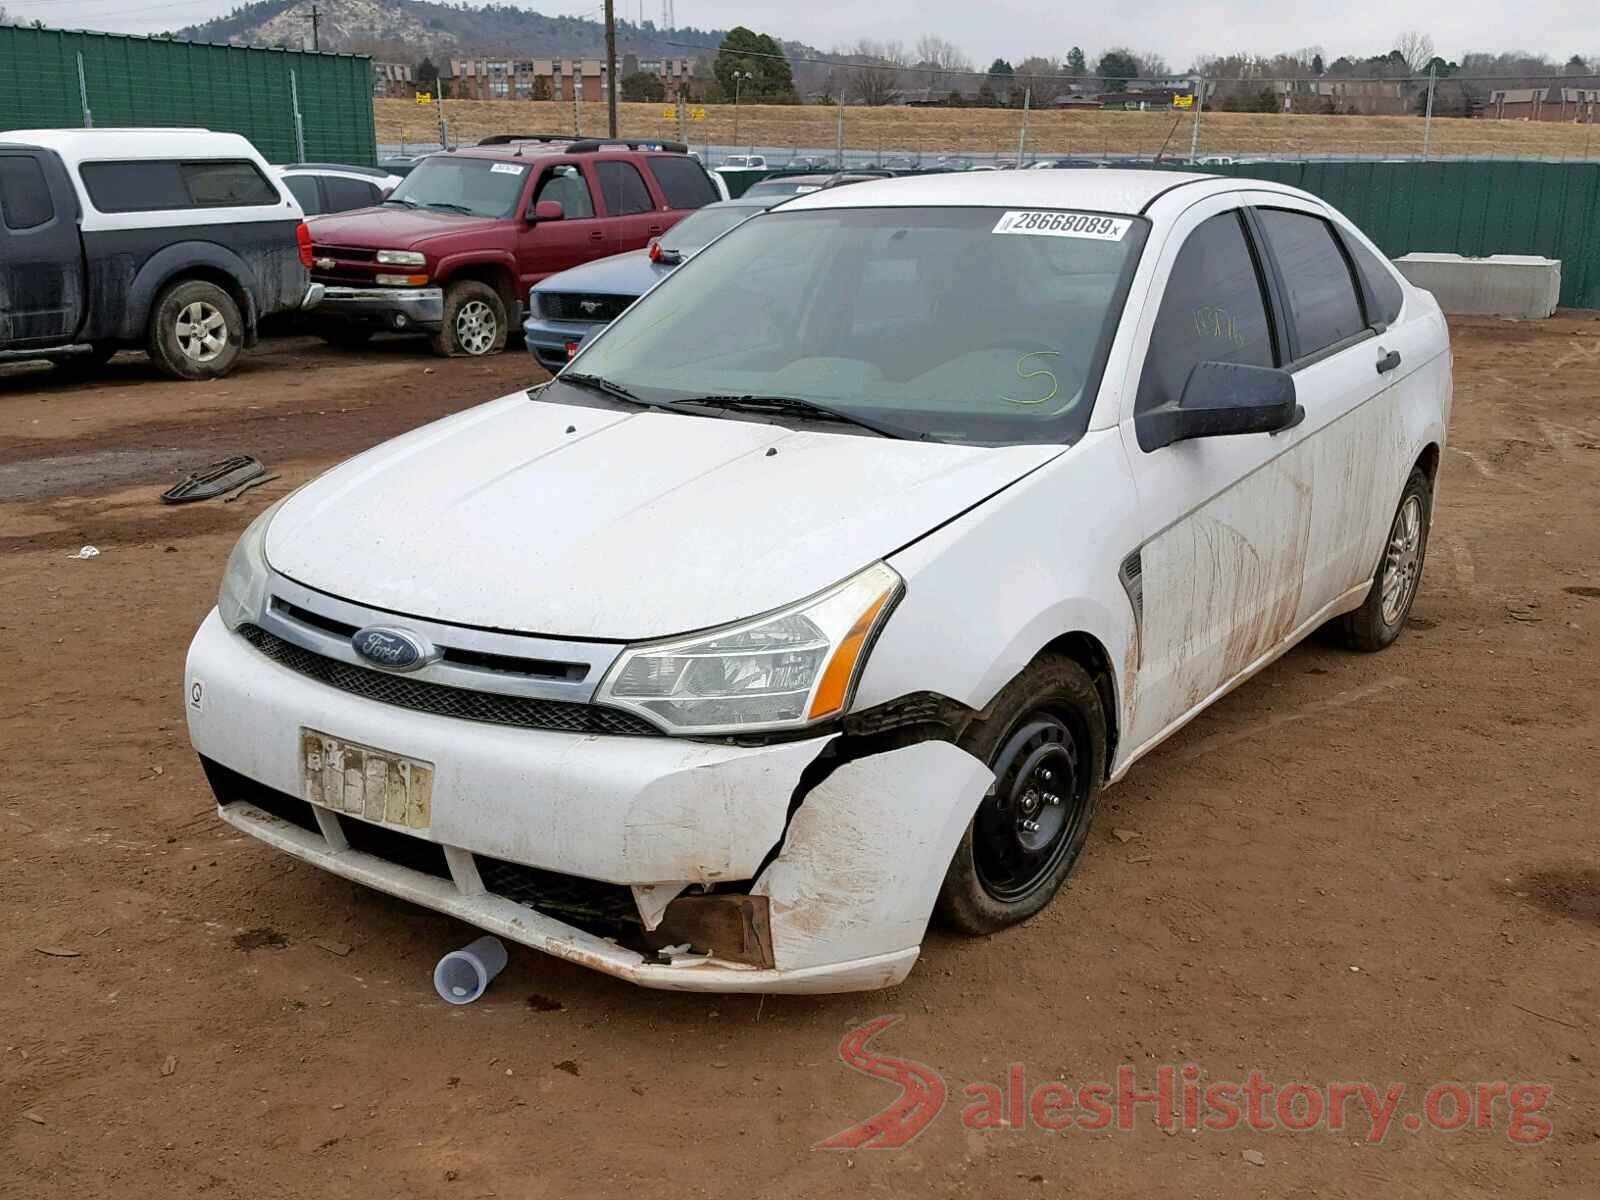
[202, 331]
[1402, 560]
[476, 327]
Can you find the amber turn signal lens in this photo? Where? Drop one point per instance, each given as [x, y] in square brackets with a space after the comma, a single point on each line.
[841, 669]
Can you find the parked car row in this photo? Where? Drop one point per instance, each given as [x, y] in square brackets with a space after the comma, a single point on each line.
[183, 241]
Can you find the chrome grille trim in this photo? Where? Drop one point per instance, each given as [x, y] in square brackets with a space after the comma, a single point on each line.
[585, 663]
[412, 692]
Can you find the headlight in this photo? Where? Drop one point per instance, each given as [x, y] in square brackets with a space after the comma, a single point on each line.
[401, 258]
[244, 583]
[784, 670]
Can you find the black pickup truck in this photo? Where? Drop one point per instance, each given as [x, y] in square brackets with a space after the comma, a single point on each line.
[178, 241]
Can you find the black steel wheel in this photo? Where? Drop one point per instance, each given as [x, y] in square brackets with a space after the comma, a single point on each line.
[1044, 738]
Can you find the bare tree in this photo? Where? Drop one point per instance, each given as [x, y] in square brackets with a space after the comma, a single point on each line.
[1045, 77]
[1416, 48]
[1151, 65]
[944, 64]
[874, 74]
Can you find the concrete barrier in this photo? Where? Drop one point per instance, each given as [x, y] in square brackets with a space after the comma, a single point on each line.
[1501, 285]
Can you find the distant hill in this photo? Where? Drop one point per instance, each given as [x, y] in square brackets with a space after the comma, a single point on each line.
[406, 30]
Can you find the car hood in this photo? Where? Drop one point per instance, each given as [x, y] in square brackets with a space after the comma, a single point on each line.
[629, 274]
[393, 227]
[586, 522]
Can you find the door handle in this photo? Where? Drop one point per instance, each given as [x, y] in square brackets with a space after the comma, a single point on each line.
[597, 235]
[1388, 362]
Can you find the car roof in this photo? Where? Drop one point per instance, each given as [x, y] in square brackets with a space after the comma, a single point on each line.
[562, 149]
[1127, 191]
[79, 145]
[346, 168]
[745, 201]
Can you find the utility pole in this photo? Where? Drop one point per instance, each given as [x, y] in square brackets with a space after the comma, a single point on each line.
[1427, 121]
[839, 135]
[611, 68]
[1022, 136]
[1199, 107]
[315, 17]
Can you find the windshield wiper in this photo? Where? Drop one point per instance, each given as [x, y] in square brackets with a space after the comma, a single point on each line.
[616, 391]
[460, 208]
[795, 406]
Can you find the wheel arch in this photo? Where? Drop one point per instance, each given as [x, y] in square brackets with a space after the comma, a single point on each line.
[180, 263]
[497, 273]
[1090, 653]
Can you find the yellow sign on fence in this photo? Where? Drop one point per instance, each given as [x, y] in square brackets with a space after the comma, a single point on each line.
[424, 97]
[670, 112]
[697, 114]
[1183, 102]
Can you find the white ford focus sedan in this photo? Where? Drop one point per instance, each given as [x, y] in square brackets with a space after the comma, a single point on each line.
[824, 591]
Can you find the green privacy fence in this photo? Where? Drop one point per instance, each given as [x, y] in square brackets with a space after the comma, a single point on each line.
[156, 81]
[1472, 208]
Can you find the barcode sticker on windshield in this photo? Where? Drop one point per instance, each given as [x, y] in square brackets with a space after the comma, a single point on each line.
[1064, 224]
[506, 169]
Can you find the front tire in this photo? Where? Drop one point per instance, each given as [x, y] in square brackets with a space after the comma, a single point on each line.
[195, 331]
[1377, 623]
[1045, 741]
[474, 321]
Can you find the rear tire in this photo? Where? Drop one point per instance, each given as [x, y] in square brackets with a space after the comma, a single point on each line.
[474, 321]
[1045, 741]
[195, 330]
[1382, 615]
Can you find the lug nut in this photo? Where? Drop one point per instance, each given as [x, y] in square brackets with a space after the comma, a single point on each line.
[1030, 826]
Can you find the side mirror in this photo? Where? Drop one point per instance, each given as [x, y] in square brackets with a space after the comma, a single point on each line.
[1220, 400]
[546, 210]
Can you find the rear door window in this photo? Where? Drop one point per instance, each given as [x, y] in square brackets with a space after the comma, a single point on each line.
[567, 187]
[623, 189]
[1213, 310]
[1381, 285]
[24, 194]
[683, 182]
[1321, 292]
[154, 185]
[304, 189]
[345, 194]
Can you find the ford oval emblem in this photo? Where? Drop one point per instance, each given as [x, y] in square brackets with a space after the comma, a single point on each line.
[392, 649]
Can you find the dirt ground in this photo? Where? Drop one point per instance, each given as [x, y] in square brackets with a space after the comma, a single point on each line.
[898, 130]
[1380, 869]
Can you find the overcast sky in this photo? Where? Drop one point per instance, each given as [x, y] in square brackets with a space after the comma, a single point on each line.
[1013, 29]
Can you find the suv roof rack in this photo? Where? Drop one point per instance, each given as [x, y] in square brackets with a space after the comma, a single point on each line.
[590, 145]
[506, 139]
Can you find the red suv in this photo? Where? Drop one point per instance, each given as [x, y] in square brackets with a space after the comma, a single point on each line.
[453, 250]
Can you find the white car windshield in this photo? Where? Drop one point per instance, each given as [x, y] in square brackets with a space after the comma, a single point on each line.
[478, 187]
[959, 324]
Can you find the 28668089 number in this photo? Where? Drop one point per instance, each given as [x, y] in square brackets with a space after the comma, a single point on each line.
[1063, 224]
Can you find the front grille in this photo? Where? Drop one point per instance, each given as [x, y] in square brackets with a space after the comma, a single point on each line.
[567, 896]
[347, 253]
[569, 306]
[491, 707]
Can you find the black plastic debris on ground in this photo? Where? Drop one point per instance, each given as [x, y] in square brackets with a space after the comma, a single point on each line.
[214, 480]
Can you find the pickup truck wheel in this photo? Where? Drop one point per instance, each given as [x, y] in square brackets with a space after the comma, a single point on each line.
[195, 331]
[1377, 623]
[474, 321]
[1045, 740]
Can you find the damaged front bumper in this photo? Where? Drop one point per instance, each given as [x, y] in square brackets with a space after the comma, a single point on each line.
[842, 865]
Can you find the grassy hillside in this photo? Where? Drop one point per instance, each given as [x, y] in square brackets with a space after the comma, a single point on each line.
[987, 131]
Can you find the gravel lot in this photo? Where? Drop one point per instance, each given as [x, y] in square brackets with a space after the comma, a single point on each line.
[1378, 869]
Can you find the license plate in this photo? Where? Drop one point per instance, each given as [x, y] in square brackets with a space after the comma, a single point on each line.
[366, 782]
